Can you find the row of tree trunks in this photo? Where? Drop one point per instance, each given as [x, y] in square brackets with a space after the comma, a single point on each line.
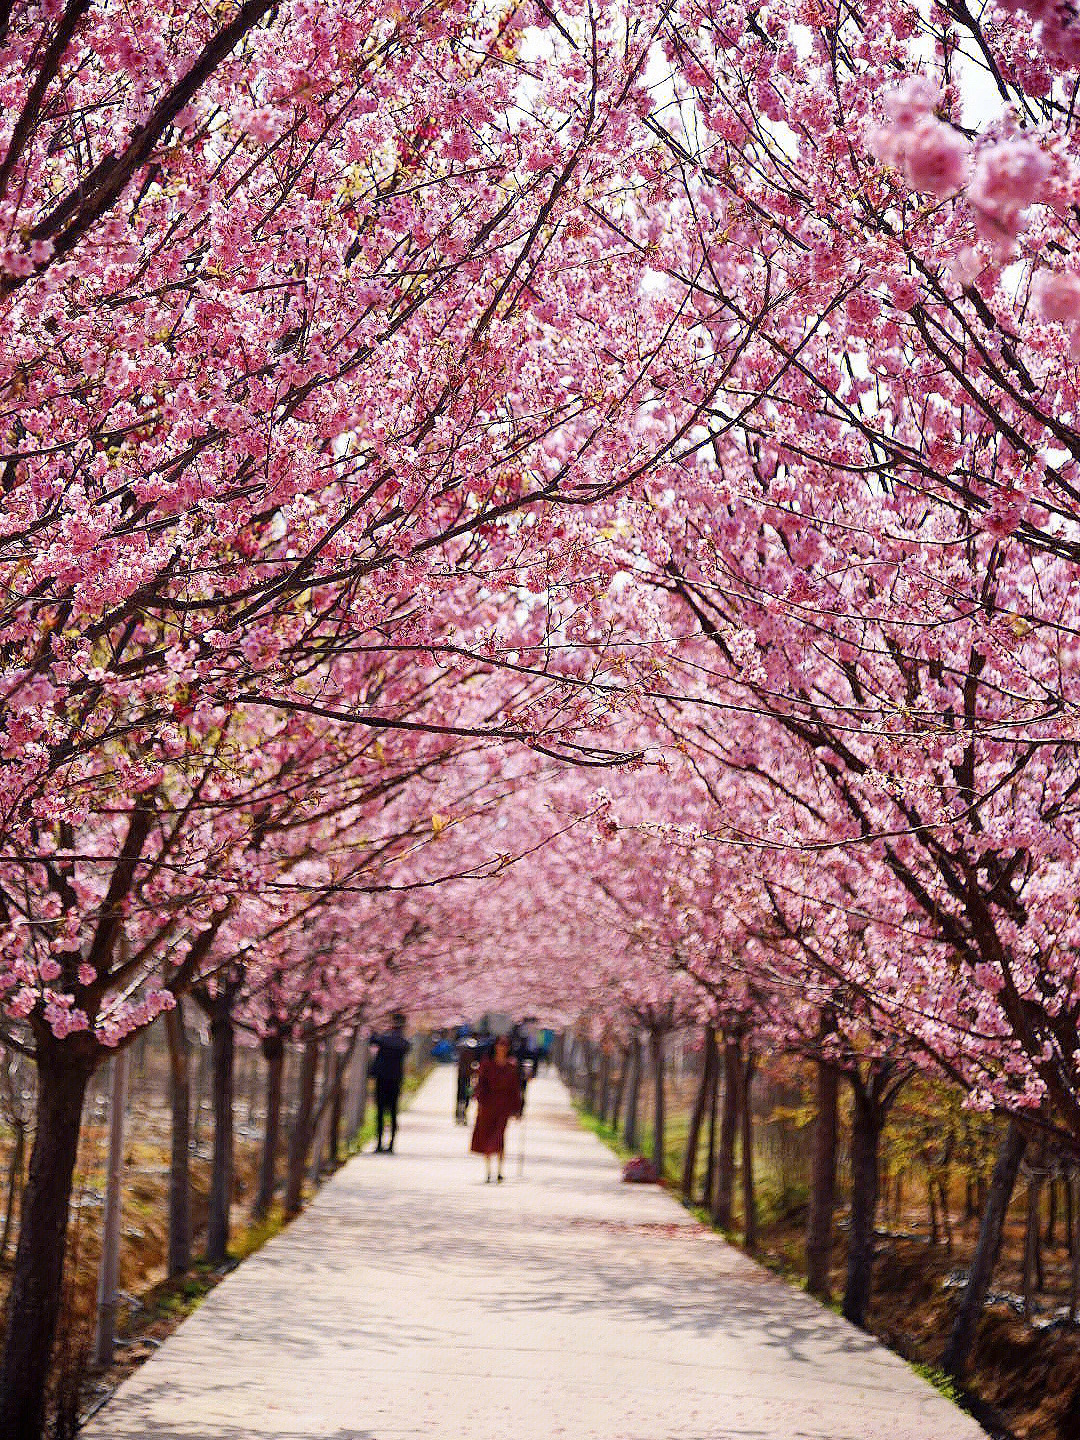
[64, 1071]
[874, 1091]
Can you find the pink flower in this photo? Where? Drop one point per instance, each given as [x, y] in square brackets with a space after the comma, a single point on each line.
[1008, 176]
[1057, 296]
[261, 124]
[912, 100]
[934, 158]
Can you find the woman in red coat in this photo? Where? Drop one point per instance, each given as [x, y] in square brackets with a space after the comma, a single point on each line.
[498, 1097]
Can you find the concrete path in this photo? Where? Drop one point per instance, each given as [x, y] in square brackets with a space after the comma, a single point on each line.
[411, 1299]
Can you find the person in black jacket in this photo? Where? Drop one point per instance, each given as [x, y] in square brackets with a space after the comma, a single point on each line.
[388, 1069]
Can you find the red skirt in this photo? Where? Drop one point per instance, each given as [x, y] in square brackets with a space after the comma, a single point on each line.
[489, 1132]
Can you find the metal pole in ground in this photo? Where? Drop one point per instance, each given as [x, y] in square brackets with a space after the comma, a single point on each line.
[109, 1274]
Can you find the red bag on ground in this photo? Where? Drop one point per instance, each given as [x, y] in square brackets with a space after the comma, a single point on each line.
[640, 1171]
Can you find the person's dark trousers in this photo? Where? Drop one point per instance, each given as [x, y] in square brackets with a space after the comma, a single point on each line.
[386, 1103]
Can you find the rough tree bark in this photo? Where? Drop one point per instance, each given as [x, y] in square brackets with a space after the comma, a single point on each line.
[179, 1254]
[1002, 1183]
[273, 1049]
[64, 1071]
[819, 1222]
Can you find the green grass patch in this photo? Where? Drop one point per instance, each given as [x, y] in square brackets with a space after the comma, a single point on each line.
[603, 1131]
[942, 1383]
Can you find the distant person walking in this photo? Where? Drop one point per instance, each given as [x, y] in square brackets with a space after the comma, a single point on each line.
[498, 1098]
[388, 1070]
[468, 1054]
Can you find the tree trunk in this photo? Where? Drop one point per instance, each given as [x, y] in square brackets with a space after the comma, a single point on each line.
[697, 1116]
[714, 1095]
[1002, 1183]
[931, 1210]
[747, 1128]
[723, 1206]
[1072, 1197]
[222, 1047]
[630, 1133]
[1067, 1189]
[300, 1138]
[273, 1049]
[179, 1257]
[1032, 1265]
[198, 1090]
[656, 1053]
[819, 1220]
[333, 1072]
[356, 1101]
[34, 1300]
[620, 1089]
[109, 1271]
[604, 1085]
[1050, 1238]
[867, 1121]
[337, 1102]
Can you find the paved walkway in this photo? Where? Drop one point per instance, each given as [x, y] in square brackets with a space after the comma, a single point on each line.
[411, 1299]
